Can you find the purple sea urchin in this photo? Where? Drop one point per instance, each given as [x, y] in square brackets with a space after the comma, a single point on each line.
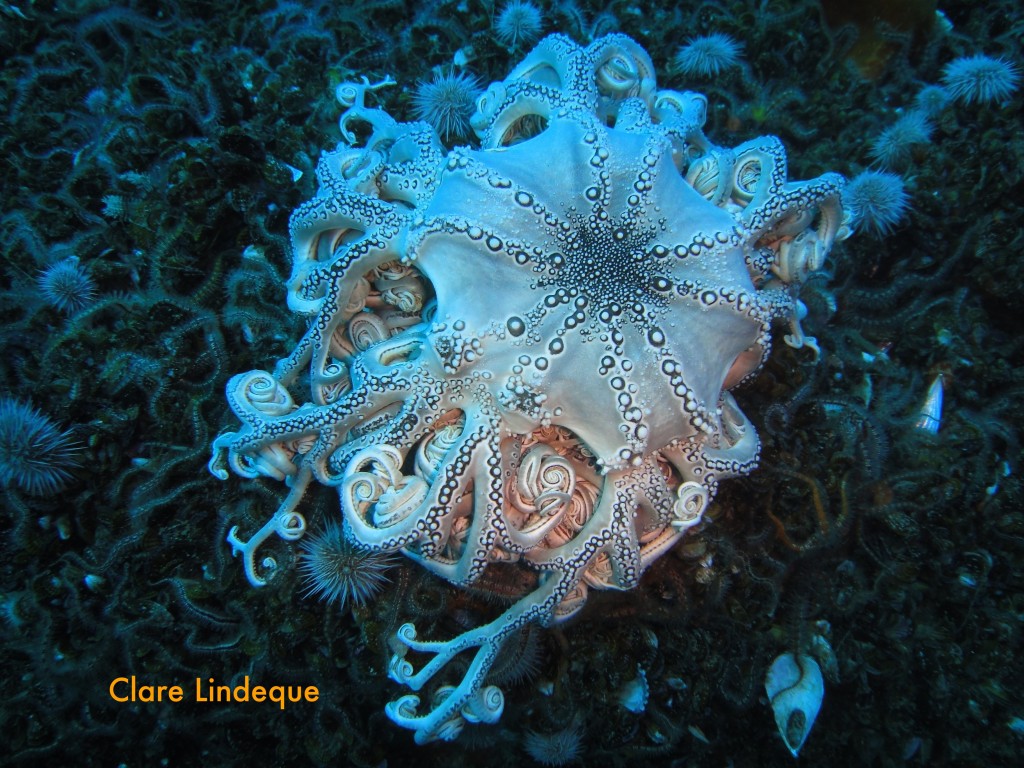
[337, 570]
[34, 454]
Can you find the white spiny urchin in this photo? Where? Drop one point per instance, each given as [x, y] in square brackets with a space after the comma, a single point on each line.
[892, 147]
[559, 748]
[979, 79]
[708, 55]
[931, 100]
[447, 102]
[876, 200]
[518, 23]
[34, 454]
[67, 286]
[335, 569]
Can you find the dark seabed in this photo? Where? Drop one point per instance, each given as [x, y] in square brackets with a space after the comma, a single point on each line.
[152, 155]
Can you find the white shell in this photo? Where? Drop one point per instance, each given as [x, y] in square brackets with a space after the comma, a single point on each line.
[929, 417]
[634, 694]
[795, 689]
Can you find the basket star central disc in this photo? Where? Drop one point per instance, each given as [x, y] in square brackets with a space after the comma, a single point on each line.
[593, 278]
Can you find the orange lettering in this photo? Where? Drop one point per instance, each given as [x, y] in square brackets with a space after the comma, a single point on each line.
[113, 695]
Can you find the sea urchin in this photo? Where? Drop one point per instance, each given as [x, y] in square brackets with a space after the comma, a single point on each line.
[335, 569]
[34, 454]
